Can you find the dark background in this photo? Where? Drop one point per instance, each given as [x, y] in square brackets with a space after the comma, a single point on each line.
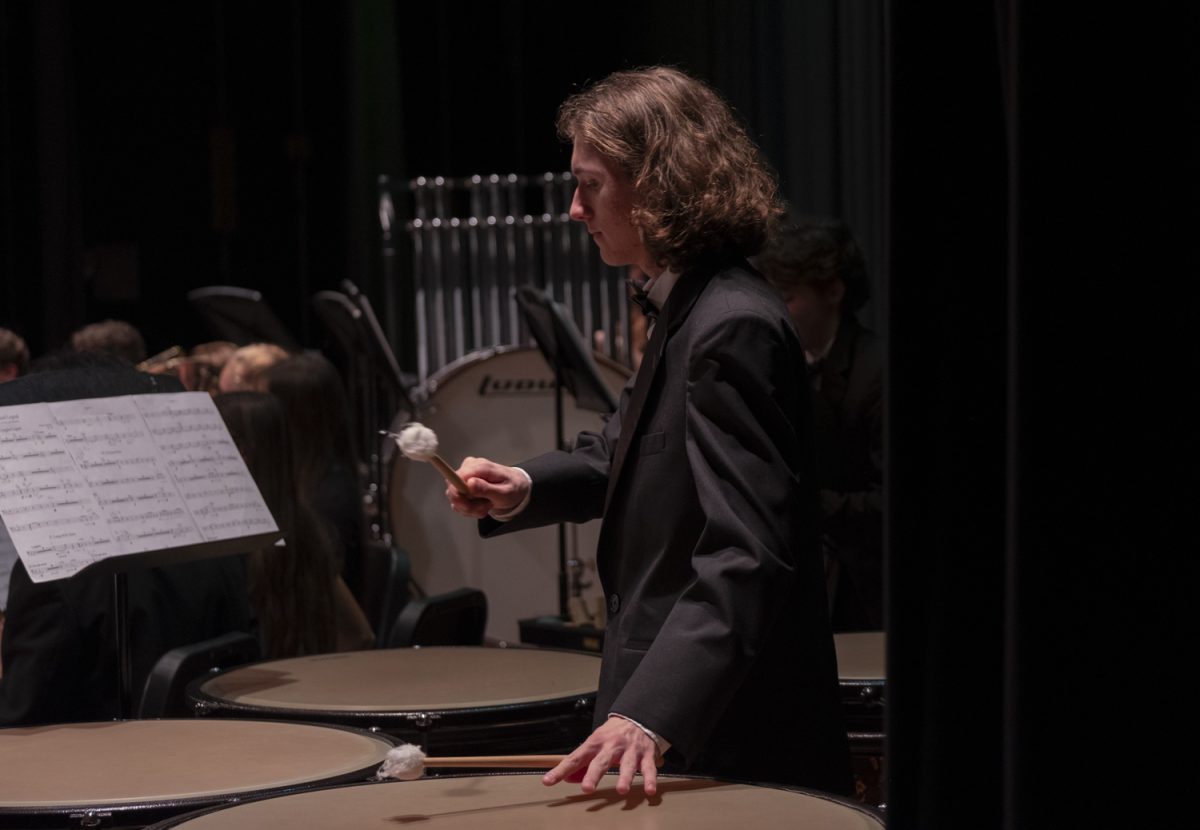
[1023, 176]
[157, 148]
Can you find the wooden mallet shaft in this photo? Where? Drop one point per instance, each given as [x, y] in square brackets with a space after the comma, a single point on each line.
[496, 761]
[448, 473]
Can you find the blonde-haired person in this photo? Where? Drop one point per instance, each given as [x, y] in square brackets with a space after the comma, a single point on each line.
[244, 370]
[718, 656]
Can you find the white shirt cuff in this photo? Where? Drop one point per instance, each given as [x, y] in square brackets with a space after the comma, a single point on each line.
[511, 513]
[659, 741]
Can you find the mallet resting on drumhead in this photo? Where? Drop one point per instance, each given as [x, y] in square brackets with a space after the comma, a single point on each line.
[407, 762]
[420, 443]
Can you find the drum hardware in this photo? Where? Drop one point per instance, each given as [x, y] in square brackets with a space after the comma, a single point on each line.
[90, 819]
[863, 683]
[422, 720]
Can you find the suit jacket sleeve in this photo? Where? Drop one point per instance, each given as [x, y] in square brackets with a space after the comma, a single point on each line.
[567, 486]
[742, 450]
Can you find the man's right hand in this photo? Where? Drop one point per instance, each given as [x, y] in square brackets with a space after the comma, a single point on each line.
[492, 486]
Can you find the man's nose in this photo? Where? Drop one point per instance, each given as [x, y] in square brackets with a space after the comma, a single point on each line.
[579, 211]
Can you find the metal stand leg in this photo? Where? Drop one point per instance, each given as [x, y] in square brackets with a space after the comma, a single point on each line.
[124, 658]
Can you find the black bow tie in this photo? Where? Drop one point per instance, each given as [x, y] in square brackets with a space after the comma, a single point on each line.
[643, 300]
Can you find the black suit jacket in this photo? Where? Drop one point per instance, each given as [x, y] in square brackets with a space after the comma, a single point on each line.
[848, 425]
[718, 636]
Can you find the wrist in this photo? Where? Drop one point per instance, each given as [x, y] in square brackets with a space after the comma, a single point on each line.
[511, 512]
[661, 744]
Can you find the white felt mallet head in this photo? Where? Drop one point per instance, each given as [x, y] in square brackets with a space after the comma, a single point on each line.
[420, 443]
[405, 762]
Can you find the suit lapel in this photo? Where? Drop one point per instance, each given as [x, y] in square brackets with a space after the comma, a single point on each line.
[679, 305]
[637, 399]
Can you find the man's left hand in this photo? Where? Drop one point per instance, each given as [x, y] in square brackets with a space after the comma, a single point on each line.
[616, 742]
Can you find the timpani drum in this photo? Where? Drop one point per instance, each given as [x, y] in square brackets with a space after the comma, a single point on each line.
[863, 679]
[451, 700]
[521, 802]
[133, 773]
[496, 404]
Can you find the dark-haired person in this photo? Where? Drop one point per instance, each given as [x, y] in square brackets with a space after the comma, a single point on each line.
[718, 648]
[112, 337]
[300, 603]
[326, 467]
[819, 271]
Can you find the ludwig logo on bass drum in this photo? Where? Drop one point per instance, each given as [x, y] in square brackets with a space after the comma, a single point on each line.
[493, 387]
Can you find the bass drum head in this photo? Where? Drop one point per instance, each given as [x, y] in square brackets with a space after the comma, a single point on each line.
[496, 404]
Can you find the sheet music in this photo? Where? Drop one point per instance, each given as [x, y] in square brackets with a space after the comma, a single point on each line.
[205, 464]
[85, 480]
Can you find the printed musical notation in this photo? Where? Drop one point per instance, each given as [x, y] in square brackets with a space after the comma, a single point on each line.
[205, 465]
[82, 481]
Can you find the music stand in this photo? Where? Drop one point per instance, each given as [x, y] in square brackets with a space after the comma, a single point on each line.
[240, 316]
[377, 344]
[120, 566]
[352, 323]
[66, 385]
[565, 351]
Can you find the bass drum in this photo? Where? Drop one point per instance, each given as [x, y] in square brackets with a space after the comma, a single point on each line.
[496, 404]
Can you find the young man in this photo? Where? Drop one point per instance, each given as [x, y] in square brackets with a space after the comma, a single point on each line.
[718, 651]
[820, 273]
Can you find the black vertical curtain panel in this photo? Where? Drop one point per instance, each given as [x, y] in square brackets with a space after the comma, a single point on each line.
[1039, 573]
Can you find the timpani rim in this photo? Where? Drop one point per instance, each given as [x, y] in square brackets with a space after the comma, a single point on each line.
[218, 699]
[151, 805]
[871, 812]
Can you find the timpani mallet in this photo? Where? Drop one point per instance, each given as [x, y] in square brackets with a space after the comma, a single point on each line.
[407, 762]
[420, 443]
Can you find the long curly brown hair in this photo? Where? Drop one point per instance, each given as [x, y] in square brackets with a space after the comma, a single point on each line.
[701, 187]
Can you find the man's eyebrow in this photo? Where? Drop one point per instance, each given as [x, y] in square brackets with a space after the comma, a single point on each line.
[580, 170]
